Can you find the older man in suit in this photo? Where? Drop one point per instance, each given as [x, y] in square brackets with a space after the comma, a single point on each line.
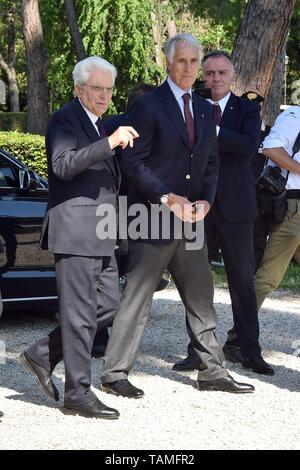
[83, 175]
[234, 210]
[174, 163]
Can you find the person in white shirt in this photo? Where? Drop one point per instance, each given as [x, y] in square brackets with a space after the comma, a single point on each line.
[284, 240]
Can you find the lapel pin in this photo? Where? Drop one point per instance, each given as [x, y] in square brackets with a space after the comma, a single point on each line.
[231, 107]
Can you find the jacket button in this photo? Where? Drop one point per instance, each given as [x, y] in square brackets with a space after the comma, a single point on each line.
[188, 177]
[192, 155]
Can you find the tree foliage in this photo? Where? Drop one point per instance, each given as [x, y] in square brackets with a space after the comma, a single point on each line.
[223, 16]
[293, 55]
[60, 57]
[122, 31]
[12, 54]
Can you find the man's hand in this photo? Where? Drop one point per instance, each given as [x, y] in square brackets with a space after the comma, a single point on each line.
[181, 207]
[123, 136]
[186, 210]
[201, 209]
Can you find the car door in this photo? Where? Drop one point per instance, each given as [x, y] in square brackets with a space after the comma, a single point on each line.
[27, 273]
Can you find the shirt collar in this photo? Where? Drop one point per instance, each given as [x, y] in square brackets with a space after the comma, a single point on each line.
[177, 91]
[222, 102]
[92, 116]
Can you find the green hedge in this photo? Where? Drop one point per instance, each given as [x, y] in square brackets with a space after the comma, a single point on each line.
[28, 148]
[13, 121]
[18, 121]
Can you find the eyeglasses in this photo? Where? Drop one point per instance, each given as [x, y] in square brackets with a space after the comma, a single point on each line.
[100, 89]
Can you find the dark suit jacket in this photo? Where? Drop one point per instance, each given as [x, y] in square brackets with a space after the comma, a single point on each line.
[111, 125]
[160, 161]
[82, 173]
[238, 141]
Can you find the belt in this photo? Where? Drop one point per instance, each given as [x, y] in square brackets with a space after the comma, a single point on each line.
[293, 193]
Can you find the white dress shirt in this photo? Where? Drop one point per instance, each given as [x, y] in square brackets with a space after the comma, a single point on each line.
[222, 103]
[284, 134]
[93, 118]
[178, 93]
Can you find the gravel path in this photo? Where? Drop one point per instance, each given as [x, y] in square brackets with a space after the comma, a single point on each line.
[173, 414]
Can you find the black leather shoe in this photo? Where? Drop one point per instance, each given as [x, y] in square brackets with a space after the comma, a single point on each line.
[42, 375]
[122, 387]
[92, 409]
[224, 384]
[232, 353]
[258, 365]
[98, 350]
[186, 364]
[163, 283]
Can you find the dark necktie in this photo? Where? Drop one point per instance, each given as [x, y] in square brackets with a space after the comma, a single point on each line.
[218, 113]
[101, 129]
[103, 134]
[189, 119]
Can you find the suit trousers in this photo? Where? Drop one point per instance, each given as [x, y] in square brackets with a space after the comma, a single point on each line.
[191, 273]
[236, 242]
[85, 286]
[283, 244]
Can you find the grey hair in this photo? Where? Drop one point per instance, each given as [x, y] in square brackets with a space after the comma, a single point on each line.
[85, 67]
[214, 55]
[186, 38]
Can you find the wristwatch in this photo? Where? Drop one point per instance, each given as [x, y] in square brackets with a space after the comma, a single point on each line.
[164, 199]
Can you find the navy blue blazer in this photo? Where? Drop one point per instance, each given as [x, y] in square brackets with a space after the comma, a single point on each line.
[238, 141]
[161, 161]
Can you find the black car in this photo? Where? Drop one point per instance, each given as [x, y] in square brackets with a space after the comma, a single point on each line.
[27, 274]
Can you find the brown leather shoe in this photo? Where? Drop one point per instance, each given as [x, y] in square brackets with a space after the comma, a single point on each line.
[224, 384]
[92, 409]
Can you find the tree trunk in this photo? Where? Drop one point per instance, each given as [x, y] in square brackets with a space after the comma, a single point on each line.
[259, 43]
[9, 66]
[12, 84]
[13, 90]
[171, 28]
[159, 26]
[157, 34]
[271, 107]
[74, 30]
[36, 75]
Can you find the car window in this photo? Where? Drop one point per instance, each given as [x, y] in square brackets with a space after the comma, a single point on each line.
[7, 177]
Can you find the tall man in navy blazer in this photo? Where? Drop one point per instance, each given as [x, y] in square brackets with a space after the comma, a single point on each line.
[83, 175]
[174, 162]
[234, 210]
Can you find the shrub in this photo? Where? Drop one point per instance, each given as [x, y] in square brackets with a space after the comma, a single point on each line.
[13, 121]
[28, 148]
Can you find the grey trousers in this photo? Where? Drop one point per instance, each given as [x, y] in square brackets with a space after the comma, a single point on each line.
[192, 275]
[85, 286]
